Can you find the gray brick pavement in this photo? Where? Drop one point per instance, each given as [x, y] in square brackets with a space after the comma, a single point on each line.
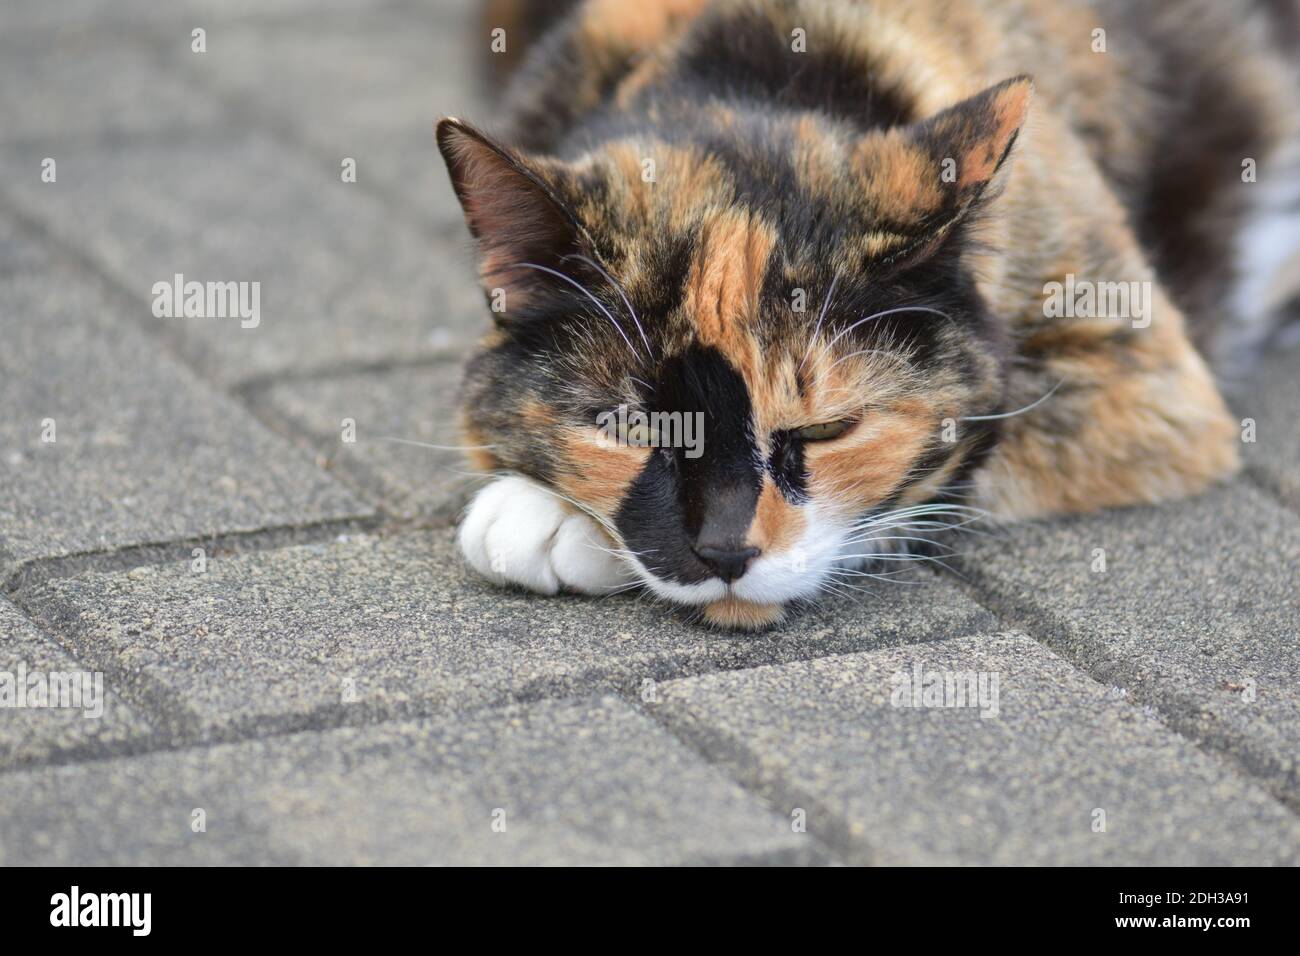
[342, 280]
[54, 104]
[1272, 405]
[1021, 782]
[369, 86]
[35, 733]
[547, 783]
[1195, 613]
[273, 640]
[397, 413]
[109, 443]
[334, 687]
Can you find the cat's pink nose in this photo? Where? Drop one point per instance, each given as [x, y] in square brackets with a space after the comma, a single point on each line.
[727, 563]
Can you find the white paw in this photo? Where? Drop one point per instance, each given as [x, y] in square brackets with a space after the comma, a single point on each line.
[516, 532]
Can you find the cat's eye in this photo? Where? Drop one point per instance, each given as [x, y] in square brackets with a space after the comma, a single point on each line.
[824, 431]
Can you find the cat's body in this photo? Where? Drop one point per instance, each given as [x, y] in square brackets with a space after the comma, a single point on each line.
[837, 231]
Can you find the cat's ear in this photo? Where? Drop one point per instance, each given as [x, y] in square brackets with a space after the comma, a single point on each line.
[922, 179]
[976, 135]
[521, 226]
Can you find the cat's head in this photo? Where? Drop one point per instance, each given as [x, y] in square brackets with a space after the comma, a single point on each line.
[796, 302]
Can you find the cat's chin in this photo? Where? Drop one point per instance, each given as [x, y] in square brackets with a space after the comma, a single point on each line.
[735, 614]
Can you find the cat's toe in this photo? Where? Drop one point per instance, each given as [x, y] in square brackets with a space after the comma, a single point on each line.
[581, 559]
[517, 533]
[507, 532]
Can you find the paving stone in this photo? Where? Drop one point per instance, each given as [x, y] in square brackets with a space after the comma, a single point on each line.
[46, 93]
[142, 452]
[276, 639]
[369, 88]
[36, 731]
[18, 252]
[888, 784]
[578, 782]
[1196, 614]
[391, 410]
[341, 280]
[41, 19]
[1274, 404]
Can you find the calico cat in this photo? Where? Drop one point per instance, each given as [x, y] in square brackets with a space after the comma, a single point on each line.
[910, 263]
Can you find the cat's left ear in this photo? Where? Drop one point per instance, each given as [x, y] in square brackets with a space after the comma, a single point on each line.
[924, 178]
[522, 227]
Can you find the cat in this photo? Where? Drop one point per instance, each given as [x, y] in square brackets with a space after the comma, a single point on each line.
[911, 263]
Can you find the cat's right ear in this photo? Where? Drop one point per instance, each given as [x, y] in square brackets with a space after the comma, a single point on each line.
[521, 226]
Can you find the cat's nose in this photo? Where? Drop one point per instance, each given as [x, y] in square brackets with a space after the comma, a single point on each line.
[727, 563]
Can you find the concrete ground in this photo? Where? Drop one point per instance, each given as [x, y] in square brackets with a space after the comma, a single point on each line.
[296, 666]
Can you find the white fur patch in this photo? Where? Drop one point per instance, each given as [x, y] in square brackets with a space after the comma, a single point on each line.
[516, 532]
[800, 571]
[705, 592]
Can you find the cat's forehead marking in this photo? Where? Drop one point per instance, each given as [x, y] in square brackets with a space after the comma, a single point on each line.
[635, 201]
[899, 180]
[725, 280]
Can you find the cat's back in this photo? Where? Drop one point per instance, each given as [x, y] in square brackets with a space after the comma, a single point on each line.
[1168, 99]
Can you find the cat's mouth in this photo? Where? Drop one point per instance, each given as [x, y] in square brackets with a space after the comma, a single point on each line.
[724, 604]
[752, 600]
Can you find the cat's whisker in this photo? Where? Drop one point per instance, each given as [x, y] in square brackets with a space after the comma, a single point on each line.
[628, 553]
[847, 571]
[907, 527]
[935, 506]
[911, 560]
[916, 523]
[901, 558]
[830, 294]
[923, 511]
[881, 315]
[623, 589]
[904, 538]
[1018, 411]
[845, 358]
[929, 529]
[623, 554]
[623, 295]
[421, 444]
[878, 577]
[583, 289]
[842, 589]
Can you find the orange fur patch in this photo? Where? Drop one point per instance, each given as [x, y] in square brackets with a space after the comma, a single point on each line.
[725, 279]
[480, 457]
[777, 524]
[636, 24]
[597, 475]
[866, 465]
[735, 614]
[898, 176]
[980, 161]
